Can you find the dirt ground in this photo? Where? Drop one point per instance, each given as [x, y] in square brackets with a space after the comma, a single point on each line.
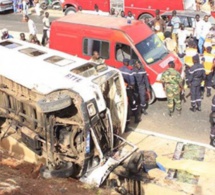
[22, 178]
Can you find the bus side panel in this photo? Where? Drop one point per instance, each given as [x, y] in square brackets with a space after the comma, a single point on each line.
[65, 38]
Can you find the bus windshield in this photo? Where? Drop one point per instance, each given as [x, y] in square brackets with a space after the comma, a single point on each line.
[152, 49]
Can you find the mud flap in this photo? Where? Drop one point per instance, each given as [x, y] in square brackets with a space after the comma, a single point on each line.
[122, 151]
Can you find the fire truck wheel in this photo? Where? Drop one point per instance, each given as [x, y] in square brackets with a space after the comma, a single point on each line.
[64, 172]
[70, 10]
[143, 16]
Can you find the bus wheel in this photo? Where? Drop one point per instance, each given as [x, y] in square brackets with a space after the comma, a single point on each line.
[152, 97]
[143, 16]
[70, 10]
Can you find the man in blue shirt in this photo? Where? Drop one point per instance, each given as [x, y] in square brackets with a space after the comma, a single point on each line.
[175, 22]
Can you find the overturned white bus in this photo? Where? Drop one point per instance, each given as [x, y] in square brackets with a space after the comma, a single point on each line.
[64, 108]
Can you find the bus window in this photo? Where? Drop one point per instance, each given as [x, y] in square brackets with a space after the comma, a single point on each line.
[9, 44]
[32, 52]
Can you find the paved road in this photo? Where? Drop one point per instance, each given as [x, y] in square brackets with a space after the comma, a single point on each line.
[13, 21]
[192, 126]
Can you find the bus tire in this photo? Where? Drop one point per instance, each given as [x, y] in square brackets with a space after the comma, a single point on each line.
[70, 10]
[143, 16]
[153, 98]
[64, 172]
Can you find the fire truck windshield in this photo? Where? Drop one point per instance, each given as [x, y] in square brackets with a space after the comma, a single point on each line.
[152, 49]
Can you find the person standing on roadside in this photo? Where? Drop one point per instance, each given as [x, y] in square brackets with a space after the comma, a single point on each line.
[142, 84]
[46, 26]
[158, 21]
[5, 34]
[173, 84]
[32, 28]
[208, 59]
[22, 36]
[170, 43]
[24, 8]
[175, 22]
[15, 6]
[206, 26]
[182, 34]
[196, 76]
[197, 26]
[129, 83]
[146, 20]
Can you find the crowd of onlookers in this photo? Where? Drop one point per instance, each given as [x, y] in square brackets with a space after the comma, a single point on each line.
[22, 6]
[32, 31]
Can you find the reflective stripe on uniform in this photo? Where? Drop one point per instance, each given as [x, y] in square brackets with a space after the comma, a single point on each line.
[126, 73]
[198, 69]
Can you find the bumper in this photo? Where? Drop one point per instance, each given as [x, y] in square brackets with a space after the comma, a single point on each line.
[6, 7]
[158, 90]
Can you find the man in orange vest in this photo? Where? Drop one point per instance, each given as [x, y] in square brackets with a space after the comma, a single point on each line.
[208, 65]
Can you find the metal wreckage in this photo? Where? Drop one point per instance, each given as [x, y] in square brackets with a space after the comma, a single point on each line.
[71, 112]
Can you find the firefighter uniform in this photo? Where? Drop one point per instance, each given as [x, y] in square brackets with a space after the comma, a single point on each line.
[189, 53]
[213, 104]
[212, 121]
[208, 65]
[196, 76]
[130, 82]
[142, 85]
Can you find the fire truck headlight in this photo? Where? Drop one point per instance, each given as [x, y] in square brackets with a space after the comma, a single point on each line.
[91, 109]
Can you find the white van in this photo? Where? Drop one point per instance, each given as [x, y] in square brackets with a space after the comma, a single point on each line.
[6, 5]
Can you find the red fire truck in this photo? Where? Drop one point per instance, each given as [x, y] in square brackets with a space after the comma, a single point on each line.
[140, 9]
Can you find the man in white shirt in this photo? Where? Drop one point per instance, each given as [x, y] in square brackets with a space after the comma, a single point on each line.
[182, 36]
[197, 28]
[46, 26]
[204, 31]
[31, 27]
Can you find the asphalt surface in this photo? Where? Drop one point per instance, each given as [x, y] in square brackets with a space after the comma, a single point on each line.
[191, 126]
[13, 21]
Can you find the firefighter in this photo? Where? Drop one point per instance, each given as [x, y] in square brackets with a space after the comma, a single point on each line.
[196, 76]
[191, 51]
[132, 99]
[208, 65]
[142, 84]
[212, 134]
